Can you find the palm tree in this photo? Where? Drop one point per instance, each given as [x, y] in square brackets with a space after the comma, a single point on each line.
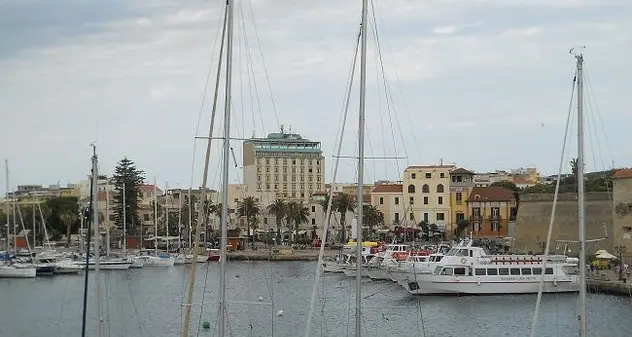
[344, 203]
[68, 218]
[574, 167]
[297, 214]
[372, 216]
[250, 209]
[278, 208]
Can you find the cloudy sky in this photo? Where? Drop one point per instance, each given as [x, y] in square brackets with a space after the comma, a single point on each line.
[482, 83]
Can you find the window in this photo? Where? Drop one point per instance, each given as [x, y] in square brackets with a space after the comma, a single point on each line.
[413, 176]
[495, 226]
[548, 271]
[495, 212]
[459, 271]
[145, 217]
[425, 188]
[440, 216]
[440, 200]
[396, 218]
[537, 271]
[313, 221]
[526, 271]
[480, 271]
[442, 175]
[503, 271]
[428, 175]
[515, 271]
[412, 216]
[411, 200]
[381, 200]
[396, 200]
[440, 188]
[476, 227]
[313, 209]
[426, 217]
[492, 271]
[446, 271]
[411, 188]
[425, 200]
[459, 196]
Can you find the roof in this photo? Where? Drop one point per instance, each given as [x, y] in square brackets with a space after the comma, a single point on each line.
[461, 170]
[417, 167]
[149, 187]
[622, 174]
[491, 193]
[522, 181]
[388, 188]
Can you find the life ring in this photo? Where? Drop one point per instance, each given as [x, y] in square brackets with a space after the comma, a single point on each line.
[463, 260]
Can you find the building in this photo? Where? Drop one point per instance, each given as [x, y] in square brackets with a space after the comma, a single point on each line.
[426, 194]
[284, 163]
[388, 198]
[622, 211]
[461, 185]
[490, 210]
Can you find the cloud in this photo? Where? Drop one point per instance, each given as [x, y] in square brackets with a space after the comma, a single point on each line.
[132, 74]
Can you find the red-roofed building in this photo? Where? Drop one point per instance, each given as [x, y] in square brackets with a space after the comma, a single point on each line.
[388, 199]
[490, 209]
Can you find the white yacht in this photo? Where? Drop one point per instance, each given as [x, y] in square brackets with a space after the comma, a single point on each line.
[466, 269]
[414, 267]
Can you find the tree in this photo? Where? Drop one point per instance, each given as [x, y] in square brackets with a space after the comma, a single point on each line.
[342, 204]
[58, 207]
[278, 208]
[127, 176]
[68, 218]
[425, 228]
[372, 216]
[461, 225]
[574, 167]
[250, 209]
[296, 214]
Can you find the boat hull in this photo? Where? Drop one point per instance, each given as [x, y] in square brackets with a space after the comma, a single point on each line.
[13, 272]
[160, 262]
[200, 259]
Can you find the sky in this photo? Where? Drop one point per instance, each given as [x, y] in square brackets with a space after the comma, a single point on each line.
[484, 84]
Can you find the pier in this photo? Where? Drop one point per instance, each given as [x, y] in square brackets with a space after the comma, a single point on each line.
[277, 254]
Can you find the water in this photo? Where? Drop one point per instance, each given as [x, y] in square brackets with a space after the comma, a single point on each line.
[146, 302]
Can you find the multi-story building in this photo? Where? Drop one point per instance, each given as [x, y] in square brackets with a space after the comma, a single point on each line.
[426, 194]
[388, 198]
[622, 217]
[284, 163]
[490, 210]
[461, 185]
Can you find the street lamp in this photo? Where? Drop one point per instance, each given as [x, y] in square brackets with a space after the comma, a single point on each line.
[620, 250]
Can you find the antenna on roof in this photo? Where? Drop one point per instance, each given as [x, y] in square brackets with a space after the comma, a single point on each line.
[290, 128]
[440, 161]
[281, 128]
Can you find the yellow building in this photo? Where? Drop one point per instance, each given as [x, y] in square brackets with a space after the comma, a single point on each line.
[461, 185]
[489, 211]
[426, 194]
[388, 198]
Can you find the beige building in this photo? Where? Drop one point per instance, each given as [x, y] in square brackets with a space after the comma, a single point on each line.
[427, 194]
[622, 211]
[284, 163]
[388, 198]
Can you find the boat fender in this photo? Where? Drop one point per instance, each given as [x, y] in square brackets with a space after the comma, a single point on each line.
[463, 260]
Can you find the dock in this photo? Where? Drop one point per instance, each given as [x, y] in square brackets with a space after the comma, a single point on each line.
[614, 287]
[277, 254]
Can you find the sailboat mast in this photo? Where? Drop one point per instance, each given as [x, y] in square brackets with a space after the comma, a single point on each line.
[226, 165]
[107, 216]
[124, 221]
[179, 219]
[580, 194]
[97, 238]
[155, 218]
[167, 214]
[360, 194]
[6, 205]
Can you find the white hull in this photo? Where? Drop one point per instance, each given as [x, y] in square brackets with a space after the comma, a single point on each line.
[377, 273]
[526, 285]
[67, 267]
[333, 267]
[180, 259]
[351, 272]
[13, 272]
[108, 265]
[188, 259]
[137, 263]
[160, 262]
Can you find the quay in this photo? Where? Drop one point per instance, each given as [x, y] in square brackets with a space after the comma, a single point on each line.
[613, 287]
[278, 254]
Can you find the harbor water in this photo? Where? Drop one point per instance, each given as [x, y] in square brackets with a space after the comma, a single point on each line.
[147, 302]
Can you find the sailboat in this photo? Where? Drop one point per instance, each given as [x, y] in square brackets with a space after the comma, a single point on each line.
[227, 37]
[157, 260]
[581, 315]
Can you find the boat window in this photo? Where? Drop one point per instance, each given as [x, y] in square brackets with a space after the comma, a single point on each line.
[480, 271]
[548, 271]
[537, 271]
[515, 271]
[503, 271]
[437, 270]
[459, 271]
[461, 252]
[471, 253]
[446, 271]
[492, 271]
[526, 271]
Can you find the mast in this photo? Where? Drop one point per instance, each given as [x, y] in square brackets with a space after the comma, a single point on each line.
[167, 214]
[580, 193]
[34, 237]
[226, 165]
[97, 238]
[6, 205]
[360, 193]
[155, 218]
[190, 217]
[124, 222]
[179, 220]
[107, 216]
[203, 195]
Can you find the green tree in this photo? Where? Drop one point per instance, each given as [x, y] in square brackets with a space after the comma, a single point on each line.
[372, 217]
[249, 208]
[461, 225]
[68, 218]
[56, 208]
[278, 208]
[343, 203]
[296, 214]
[127, 176]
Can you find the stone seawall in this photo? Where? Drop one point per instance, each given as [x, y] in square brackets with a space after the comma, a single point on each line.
[534, 216]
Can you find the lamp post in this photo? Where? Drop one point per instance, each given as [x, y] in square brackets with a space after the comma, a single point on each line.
[620, 250]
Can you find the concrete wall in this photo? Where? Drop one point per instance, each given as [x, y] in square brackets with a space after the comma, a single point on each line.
[534, 216]
[622, 192]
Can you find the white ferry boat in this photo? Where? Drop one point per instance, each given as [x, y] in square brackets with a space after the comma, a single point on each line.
[470, 270]
[414, 266]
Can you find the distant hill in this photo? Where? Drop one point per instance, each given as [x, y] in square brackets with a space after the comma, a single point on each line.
[599, 181]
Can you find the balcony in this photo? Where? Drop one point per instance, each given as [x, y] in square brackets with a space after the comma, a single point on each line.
[475, 217]
[494, 218]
